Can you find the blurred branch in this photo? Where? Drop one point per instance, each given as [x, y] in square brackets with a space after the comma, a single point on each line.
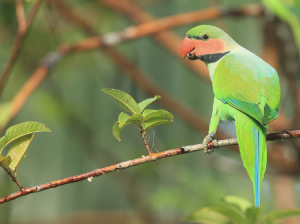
[169, 39]
[23, 27]
[166, 23]
[20, 16]
[143, 159]
[151, 27]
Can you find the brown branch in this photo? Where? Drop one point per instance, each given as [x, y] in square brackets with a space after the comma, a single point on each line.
[169, 39]
[20, 16]
[145, 141]
[143, 159]
[23, 28]
[169, 22]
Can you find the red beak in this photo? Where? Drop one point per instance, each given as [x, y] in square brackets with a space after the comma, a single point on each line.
[186, 46]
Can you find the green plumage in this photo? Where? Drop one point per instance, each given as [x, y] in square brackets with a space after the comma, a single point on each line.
[247, 91]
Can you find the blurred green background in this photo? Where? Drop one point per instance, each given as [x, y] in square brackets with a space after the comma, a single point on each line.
[81, 117]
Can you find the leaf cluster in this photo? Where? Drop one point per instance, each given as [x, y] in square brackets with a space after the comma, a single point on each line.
[20, 137]
[143, 118]
[240, 211]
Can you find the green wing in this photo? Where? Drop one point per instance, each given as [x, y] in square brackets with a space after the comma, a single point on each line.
[249, 84]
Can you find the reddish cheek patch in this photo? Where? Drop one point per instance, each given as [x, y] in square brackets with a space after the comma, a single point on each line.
[211, 46]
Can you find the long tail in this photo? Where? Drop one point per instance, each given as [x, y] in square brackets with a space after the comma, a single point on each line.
[251, 137]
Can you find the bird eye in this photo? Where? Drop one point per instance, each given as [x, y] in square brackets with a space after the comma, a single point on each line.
[205, 37]
[188, 36]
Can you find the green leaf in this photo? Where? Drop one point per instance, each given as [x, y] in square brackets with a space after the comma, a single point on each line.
[149, 114]
[18, 150]
[148, 111]
[230, 213]
[126, 120]
[253, 214]
[137, 119]
[123, 117]
[239, 202]
[145, 103]
[276, 216]
[20, 130]
[154, 122]
[5, 111]
[156, 117]
[5, 161]
[215, 215]
[116, 131]
[125, 101]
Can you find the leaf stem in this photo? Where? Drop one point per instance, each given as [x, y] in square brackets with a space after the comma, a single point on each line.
[14, 179]
[145, 142]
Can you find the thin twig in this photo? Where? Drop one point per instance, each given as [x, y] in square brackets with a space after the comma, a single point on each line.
[20, 38]
[14, 179]
[143, 159]
[145, 142]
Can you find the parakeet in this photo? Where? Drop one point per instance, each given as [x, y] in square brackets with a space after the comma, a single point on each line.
[246, 90]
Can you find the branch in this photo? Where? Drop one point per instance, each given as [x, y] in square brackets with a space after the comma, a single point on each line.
[169, 22]
[169, 39]
[23, 27]
[20, 16]
[143, 159]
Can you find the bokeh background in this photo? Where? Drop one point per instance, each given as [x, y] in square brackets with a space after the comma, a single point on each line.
[68, 100]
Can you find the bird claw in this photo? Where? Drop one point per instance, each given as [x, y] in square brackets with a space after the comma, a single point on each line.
[210, 138]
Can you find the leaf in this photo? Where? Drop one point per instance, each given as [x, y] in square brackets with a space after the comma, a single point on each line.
[239, 202]
[5, 161]
[215, 215]
[20, 130]
[116, 130]
[148, 111]
[118, 127]
[147, 102]
[276, 216]
[18, 150]
[230, 213]
[253, 214]
[137, 119]
[154, 122]
[148, 114]
[123, 117]
[125, 101]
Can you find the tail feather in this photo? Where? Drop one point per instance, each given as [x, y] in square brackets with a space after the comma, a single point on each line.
[252, 143]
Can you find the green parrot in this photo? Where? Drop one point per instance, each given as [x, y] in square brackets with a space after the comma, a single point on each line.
[246, 90]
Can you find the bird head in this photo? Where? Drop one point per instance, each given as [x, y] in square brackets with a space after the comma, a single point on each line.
[206, 40]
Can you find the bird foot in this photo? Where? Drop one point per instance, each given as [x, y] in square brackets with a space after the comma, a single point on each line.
[210, 138]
